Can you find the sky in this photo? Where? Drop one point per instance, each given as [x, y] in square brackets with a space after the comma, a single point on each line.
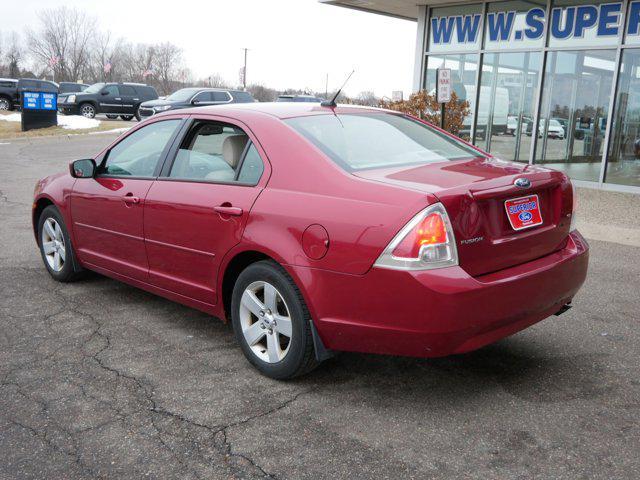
[292, 43]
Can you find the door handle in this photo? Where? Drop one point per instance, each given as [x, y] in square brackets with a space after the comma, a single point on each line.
[131, 200]
[228, 210]
[117, 98]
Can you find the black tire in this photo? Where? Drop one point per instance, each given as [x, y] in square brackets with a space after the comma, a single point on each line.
[6, 105]
[111, 117]
[300, 358]
[71, 269]
[138, 116]
[126, 118]
[87, 110]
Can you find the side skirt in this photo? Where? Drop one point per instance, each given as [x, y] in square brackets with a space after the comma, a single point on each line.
[176, 297]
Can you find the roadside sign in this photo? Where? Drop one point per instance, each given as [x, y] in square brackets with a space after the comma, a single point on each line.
[443, 85]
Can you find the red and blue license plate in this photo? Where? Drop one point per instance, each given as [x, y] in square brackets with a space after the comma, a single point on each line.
[523, 212]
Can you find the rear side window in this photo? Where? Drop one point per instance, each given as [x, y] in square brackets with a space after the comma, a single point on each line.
[379, 140]
[252, 167]
[127, 90]
[139, 153]
[216, 152]
[220, 96]
[242, 97]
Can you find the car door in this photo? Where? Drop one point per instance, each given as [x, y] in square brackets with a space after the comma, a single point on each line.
[197, 209]
[109, 100]
[107, 210]
[129, 98]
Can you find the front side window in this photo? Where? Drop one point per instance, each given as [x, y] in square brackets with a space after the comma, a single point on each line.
[214, 152]
[202, 97]
[379, 140]
[112, 90]
[138, 154]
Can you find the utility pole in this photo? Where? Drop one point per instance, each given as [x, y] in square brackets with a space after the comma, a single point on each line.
[326, 87]
[244, 70]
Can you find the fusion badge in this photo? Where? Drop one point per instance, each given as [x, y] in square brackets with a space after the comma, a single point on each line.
[523, 212]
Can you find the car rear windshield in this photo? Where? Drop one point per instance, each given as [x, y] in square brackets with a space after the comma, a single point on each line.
[379, 140]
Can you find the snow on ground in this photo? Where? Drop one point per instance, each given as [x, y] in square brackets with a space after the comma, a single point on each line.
[68, 122]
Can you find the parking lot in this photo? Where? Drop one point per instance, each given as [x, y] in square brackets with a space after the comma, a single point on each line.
[100, 380]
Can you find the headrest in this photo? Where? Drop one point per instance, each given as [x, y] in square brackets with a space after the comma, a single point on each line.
[232, 149]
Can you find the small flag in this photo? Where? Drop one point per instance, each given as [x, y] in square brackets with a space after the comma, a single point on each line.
[107, 67]
[146, 73]
[53, 61]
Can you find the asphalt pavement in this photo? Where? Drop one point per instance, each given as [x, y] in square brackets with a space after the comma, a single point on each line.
[101, 380]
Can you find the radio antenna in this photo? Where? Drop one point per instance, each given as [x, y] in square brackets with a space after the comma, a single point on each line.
[332, 103]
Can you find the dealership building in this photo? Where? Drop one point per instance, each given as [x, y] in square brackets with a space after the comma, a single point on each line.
[566, 69]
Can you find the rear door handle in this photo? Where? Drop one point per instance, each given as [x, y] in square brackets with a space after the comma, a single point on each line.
[228, 210]
[131, 200]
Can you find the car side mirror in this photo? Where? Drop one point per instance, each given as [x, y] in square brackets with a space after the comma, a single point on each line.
[194, 102]
[104, 92]
[85, 168]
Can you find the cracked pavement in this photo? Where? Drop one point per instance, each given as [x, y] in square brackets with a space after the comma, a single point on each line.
[100, 380]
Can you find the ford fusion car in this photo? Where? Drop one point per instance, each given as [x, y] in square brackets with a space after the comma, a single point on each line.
[319, 229]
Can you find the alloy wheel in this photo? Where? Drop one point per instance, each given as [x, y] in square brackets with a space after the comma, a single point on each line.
[88, 111]
[4, 104]
[266, 322]
[53, 244]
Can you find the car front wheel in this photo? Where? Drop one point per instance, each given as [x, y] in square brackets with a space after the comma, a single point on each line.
[271, 322]
[55, 246]
[5, 104]
[87, 110]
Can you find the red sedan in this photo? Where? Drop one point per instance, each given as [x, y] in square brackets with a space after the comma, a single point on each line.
[317, 229]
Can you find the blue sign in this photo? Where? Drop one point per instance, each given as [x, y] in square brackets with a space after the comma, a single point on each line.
[39, 101]
[572, 25]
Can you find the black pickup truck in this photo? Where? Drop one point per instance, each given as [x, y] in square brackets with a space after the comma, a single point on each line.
[8, 93]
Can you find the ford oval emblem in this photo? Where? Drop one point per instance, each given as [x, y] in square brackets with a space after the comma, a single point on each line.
[522, 182]
[525, 216]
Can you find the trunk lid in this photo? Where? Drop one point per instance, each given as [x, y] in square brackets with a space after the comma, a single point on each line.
[474, 192]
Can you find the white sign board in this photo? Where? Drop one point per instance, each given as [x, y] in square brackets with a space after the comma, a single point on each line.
[443, 85]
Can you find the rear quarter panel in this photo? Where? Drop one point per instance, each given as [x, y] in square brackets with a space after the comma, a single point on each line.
[306, 188]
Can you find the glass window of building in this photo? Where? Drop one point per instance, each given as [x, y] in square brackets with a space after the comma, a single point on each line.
[464, 69]
[515, 25]
[633, 23]
[623, 164]
[508, 92]
[574, 111]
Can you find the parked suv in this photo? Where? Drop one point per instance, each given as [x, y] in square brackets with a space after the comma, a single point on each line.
[189, 97]
[113, 99]
[8, 93]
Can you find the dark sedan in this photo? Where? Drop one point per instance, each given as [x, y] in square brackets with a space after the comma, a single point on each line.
[193, 97]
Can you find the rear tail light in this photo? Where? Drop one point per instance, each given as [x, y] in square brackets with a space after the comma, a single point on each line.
[574, 207]
[426, 242]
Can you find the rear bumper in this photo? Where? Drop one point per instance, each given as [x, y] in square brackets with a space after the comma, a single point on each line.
[440, 312]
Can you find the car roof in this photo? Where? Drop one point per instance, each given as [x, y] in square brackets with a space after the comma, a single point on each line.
[281, 109]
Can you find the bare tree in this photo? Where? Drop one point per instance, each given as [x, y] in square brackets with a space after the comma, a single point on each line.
[63, 41]
[167, 66]
[105, 61]
[14, 54]
[262, 93]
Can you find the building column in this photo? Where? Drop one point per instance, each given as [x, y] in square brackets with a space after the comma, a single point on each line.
[421, 48]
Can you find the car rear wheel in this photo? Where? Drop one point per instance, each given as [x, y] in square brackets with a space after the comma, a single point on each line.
[87, 110]
[126, 118]
[5, 104]
[55, 246]
[271, 322]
